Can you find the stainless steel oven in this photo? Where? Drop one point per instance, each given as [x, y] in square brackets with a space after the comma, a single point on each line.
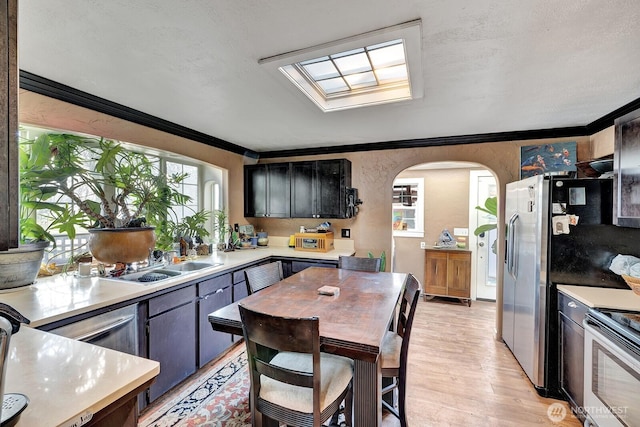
[612, 368]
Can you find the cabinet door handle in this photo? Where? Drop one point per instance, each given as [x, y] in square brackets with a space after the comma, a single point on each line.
[572, 304]
[219, 291]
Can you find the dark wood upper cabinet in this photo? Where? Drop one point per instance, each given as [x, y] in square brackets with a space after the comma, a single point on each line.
[318, 189]
[267, 190]
[314, 189]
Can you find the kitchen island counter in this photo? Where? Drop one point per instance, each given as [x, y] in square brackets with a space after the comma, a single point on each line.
[70, 381]
[619, 299]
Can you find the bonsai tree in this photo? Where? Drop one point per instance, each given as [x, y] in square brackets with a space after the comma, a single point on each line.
[109, 186]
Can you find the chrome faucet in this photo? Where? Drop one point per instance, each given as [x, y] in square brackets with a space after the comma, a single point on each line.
[155, 257]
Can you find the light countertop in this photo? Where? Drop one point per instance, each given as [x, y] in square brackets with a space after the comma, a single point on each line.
[55, 298]
[66, 379]
[620, 299]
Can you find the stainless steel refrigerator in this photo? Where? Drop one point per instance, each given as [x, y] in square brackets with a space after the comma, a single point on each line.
[544, 250]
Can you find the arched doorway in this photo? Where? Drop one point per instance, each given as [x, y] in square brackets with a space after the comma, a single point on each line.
[431, 197]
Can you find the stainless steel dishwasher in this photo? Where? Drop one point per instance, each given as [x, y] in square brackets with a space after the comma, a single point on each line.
[116, 329]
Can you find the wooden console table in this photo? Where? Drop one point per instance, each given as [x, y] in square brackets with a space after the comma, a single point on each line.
[447, 273]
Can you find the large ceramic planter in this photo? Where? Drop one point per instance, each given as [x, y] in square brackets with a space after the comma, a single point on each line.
[20, 266]
[111, 245]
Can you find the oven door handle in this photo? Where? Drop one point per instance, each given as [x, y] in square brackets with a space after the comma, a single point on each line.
[105, 330]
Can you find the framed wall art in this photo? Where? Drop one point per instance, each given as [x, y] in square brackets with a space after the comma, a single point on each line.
[547, 158]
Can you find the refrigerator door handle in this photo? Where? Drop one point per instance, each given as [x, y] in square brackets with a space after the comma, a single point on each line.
[511, 241]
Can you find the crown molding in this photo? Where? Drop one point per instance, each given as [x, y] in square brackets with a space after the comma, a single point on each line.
[50, 88]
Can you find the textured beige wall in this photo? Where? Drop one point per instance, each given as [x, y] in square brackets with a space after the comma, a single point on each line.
[602, 143]
[373, 172]
[446, 194]
[38, 110]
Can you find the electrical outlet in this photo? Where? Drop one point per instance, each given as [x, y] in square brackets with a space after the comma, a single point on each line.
[460, 231]
[423, 245]
[346, 233]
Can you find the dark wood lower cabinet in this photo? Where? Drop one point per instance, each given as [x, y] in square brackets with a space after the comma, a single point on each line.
[178, 332]
[172, 338]
[571, 347]
[213, 294]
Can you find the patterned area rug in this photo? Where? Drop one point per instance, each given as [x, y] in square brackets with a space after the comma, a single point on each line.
[219, 397]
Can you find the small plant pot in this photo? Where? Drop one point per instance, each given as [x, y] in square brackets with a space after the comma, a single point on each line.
[20, 266]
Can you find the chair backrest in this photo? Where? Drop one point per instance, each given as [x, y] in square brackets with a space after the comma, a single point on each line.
[266, 335]
[262, 276]
[410, 299]
[359, 263]
[407, 306]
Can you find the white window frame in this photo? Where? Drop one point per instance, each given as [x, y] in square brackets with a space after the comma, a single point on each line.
[418, 231]
[203, 201]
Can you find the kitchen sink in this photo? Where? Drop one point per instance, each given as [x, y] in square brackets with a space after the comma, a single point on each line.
[154, 275]
[148, 276]
[190, 266]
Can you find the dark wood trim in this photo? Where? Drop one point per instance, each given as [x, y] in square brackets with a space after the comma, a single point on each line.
[44, 86]
[609, 119]
[9, 124]
[50, 88]
[569, 132]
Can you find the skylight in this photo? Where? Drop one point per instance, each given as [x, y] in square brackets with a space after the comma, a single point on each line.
[369, 69]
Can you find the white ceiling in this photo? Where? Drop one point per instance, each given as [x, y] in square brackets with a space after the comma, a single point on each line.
[488, 66]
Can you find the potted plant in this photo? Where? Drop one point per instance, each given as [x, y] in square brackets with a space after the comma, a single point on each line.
[220, 226]
[490, 207]
[192, 229]
[118, 195]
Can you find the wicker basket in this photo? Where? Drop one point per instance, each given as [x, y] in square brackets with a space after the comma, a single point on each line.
[633, 282]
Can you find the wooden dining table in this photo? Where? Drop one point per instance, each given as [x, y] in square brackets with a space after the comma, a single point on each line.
[352, 323]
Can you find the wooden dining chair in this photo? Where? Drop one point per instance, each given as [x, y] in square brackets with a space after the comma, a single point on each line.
[292, 382]
[359, 263]
[395, 349]
[264, 275]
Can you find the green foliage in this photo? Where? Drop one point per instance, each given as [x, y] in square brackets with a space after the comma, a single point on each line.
[383, 260]
[491, 208]
[193, 226]
[108, 185]
[220, 224]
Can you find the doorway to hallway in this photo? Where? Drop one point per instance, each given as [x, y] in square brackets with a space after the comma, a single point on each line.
[482, 185]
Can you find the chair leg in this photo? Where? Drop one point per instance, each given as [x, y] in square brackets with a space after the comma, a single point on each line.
[348, 407]
[334, 419]
[388, 389]
[391, 409]
[268, 422]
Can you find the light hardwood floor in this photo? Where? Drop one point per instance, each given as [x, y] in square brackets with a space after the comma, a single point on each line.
[459, 375]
